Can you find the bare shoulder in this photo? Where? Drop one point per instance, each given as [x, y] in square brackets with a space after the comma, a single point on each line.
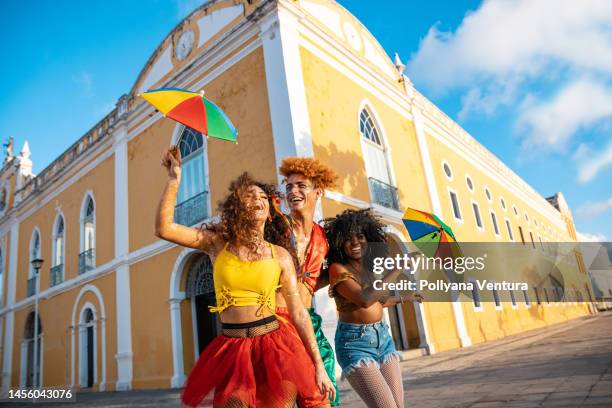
[282, 254]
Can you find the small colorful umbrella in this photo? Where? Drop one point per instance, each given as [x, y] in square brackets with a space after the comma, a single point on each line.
[193, 110]
[432, 236]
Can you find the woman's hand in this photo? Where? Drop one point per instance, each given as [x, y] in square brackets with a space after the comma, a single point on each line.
[324, 383]
[171, 160]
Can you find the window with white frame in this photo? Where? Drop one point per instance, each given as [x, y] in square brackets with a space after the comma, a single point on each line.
[509, 227]
[455, 204]
[34, 254]
[503, 203]
[3, 199]
[512, 298]
[447, 170]
[496, 299]
[57, 260]
[526, 297]
[476, 296]
[377, 168]
[191, 203]
[477, 215]
[470, 184]
[88, 236]
[494, 221]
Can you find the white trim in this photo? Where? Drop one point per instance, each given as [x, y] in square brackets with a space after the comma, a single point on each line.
[177, 132]
[468, 177]
[124, 356]
[495, 224]
[83, 345]
[88, 194]
[35, 230]
[478, 308]
[73, 325]
[31, 206]
[291, 131]
[480, 228]
[9, 317]
[452, 208]
[445, 164]
[175, 297]
[508, 224]
[54, 235]
[421, 320]
[488, 194]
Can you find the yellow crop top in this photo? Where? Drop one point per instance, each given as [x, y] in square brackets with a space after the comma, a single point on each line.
[245, 283]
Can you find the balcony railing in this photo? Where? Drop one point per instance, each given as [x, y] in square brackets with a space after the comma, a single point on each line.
[384, 194]
[57, 274]
[86, 260]
[191, 211]
[31, 286]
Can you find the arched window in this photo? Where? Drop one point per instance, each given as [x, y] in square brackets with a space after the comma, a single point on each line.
[191, 203]
[57, 261]
[88, 236]
[31, 366]
[381, 186]
[34, 254]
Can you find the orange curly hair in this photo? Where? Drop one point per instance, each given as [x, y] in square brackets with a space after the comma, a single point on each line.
[321, 175]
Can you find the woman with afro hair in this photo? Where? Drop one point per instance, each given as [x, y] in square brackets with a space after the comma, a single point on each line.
[255, 362]
[364, 347]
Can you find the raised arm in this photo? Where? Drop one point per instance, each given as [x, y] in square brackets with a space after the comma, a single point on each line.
[301, 319]
[165, 227]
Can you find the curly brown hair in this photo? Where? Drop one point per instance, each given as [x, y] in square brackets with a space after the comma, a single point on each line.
[320, 174]
[237, 224]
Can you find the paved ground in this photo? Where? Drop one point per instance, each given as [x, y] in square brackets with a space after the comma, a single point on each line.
[567, 365]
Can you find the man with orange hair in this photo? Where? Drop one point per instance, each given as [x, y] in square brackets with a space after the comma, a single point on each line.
[305, 181]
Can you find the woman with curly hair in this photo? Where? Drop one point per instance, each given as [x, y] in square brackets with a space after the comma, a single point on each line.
[256, 362]
[364, 347]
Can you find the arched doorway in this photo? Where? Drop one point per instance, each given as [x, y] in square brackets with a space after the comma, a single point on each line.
[87, 348]
[30, 370]
[200, 290]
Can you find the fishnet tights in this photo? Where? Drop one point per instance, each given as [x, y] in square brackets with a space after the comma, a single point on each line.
[379, 387]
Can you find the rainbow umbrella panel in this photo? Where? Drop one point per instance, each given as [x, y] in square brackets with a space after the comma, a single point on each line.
[193, 110]
[432, 236]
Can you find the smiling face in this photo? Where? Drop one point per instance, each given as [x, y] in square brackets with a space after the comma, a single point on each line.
[301, 193]
[355, 248]
[257, 202]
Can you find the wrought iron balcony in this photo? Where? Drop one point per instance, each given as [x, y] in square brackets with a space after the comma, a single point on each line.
[192, 211]
[384, 194]
[31, 286]
[86, 260]
[57, 274]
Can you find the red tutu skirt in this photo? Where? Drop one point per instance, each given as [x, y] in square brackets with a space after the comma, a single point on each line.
[263, 371]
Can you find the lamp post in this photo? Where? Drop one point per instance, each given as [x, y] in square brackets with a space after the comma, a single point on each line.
[36, 264]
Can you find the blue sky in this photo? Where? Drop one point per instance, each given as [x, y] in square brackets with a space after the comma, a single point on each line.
[532, 81]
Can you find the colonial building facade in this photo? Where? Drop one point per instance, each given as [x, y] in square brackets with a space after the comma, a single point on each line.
[120, 309]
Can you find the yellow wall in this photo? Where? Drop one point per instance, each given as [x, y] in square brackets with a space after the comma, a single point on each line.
[241, 92]
[69, 202]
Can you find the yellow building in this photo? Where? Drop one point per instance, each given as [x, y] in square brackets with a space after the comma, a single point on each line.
[120, 309]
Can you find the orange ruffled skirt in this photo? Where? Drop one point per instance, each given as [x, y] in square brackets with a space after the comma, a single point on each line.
[266, 371]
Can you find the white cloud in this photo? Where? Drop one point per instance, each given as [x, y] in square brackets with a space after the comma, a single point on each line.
[549, 62]
[579, 105]
[590, 162]
[510, 39]
[595, 209]
[587, 237]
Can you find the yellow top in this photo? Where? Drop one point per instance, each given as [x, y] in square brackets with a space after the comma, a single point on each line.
[245, 283]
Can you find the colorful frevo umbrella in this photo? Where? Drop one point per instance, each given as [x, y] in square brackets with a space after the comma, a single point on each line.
[432, 236]
[193, 110]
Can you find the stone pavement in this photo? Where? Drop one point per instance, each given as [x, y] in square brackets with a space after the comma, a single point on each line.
[566, 365]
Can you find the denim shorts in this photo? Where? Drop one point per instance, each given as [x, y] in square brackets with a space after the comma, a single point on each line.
[363, 344]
